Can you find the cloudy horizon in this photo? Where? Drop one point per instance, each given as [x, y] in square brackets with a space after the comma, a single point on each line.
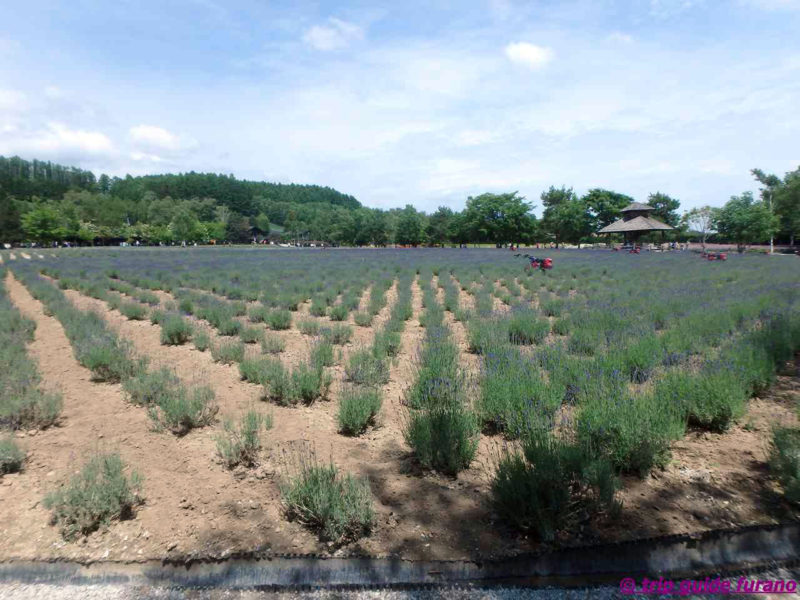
[424, 104]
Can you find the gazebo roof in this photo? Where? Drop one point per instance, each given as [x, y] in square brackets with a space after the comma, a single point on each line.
[637, 206]
[635, 224]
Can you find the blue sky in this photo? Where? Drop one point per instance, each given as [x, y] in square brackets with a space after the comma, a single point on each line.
[411, 102]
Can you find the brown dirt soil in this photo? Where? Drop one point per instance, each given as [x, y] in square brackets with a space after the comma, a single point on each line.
[714, 480]
[194, 506]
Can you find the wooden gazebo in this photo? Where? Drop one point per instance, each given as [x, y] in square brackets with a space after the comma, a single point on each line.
[635, 221]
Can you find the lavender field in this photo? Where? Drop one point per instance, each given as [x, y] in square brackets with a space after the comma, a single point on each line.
[434, 402]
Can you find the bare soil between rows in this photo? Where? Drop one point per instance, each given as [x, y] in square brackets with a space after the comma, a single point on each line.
[194, 507]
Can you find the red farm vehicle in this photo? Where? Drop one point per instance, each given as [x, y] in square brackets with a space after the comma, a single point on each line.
[534, 262]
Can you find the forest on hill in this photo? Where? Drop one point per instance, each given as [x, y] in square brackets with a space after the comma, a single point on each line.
[45, 202]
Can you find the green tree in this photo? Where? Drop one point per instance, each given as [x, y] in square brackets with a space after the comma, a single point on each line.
[700, 220]
[42, 223]
[567, 221]
[10, 225]
[238, 229]
[185, 226]
[787, 205]
[783, 198]
[605, 206]
[745, 221]
[440, 224]
[555, 196]
[498, 218]
[408, 230]
[666, 208]
[261, 223]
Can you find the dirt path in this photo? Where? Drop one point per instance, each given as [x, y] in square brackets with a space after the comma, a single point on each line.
[192, 504]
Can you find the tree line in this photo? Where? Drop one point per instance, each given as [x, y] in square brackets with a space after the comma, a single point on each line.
[44, 202]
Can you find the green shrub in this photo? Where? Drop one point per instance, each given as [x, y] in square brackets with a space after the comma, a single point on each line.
[537, 490]
[583, 342]
[157, 316]
[362, 319]
[552, 308]
[279, 319]
[229, 327]
[524, 327]
[365, 368]
[322, 354]
[513, 395]
[338, 312]
[338, 334]
[485, 336]
[186, 306]
[30, 408]
[444, 438]
[387, 343]
[201, 340]
[272, 344]
[133, 311]
[184, 410]
[279, 384]
[11, 456]
[338, 507]
[228, 352]
[258, 314]
[240, 445]
[784, 461]
[149, 387]
[357, 409]
[308, 327]
[110, 360]
[256, 370]
[709, 400]
[309, 383]
[100, 493]
[251, 335]
[318, 308]
[175, 330]
[634, 432]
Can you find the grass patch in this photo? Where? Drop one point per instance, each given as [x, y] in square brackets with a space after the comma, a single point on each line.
[272, 344]
[357, 409]
[539, 489]
[444, 438]
[784, 461]
[99, 494]
[338, 507]
[366, 368]
[201, 340]
[251, 335]
[279, 320]
[338, 334]
[184, 410]
[11, 456]
[133, 311]
[175, 330]
[228, 353]
[239, 445]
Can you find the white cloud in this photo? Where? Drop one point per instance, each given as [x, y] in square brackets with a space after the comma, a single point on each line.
[53, 92]
[61, 137]
[57, 139]
[618, 36]
[529, 55]
[154, 136]
[142, 156]
[337, 34]
[151, 136]
[11, 100]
